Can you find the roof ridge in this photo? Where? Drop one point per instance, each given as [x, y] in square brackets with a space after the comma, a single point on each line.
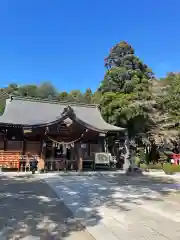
[33, 99]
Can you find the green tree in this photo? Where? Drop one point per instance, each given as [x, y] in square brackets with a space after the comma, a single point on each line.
[62, 96]
[171, 98]
[88, 95]
[12, 89]
[27, 90]
[96, 98]
[126, 89]
[125, 72]
[167, 95]
[3, 96]
[75, 96]
[46, 90]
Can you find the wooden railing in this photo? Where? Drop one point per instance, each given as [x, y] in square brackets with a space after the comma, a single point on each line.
[9, 159]
[13, 160]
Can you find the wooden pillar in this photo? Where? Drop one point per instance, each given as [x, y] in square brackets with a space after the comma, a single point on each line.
[5, 139]
[24, 147]
[76, 155]
[89, 149]
[24, 143]
[41, 162]
[72, 157]
[101, 142]
[23, 158]
[79, 156]
[117, 152]
[53, 151]
[56, 163]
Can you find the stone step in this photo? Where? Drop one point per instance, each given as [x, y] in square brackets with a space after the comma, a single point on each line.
[140, 223]
[134, 232]
[154, 222]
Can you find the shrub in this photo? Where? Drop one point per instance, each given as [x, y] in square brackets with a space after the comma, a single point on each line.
[171, 168]
[143, 166]
[157, 166]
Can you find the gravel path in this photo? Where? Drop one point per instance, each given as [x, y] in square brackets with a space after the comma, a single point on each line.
[29, 209]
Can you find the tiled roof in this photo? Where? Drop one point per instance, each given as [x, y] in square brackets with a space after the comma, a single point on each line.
[36, 112]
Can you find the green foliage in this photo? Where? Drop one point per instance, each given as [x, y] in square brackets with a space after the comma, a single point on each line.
[125, 88]
[133, 98]
[126, 72]
[29, 90]
[137, 161]
[96, 98]
[157, 166]
[167, 167]
[88, 95]
[75, 95]
[62, 96]
[47, 91]
[3, 96]
[171, 168]
[117, 109]
[171, 100]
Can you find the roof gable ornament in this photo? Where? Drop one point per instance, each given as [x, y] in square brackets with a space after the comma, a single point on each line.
[67, 111]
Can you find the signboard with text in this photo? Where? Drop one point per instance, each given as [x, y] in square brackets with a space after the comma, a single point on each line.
[102, 158]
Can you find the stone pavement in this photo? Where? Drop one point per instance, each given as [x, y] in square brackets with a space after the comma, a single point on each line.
[30, 210]
[162, 174]
[117, 207]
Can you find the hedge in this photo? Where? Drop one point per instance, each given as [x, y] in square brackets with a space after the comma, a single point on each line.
[167, 167]
[171, 168]
[157, 166]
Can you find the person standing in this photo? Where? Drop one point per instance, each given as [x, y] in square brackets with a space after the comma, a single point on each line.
[33, 163]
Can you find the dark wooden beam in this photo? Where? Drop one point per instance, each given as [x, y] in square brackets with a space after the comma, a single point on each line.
[5, 139]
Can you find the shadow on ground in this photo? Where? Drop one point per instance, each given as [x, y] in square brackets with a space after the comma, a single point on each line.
[29, 207]
[90, 196]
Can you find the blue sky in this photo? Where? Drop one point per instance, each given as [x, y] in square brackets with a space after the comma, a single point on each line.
[66, 41]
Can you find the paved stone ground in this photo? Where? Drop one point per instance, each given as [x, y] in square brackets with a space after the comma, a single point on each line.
[118, 207]
[30, 210]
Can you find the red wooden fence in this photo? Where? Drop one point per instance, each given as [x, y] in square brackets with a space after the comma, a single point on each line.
[9, 159]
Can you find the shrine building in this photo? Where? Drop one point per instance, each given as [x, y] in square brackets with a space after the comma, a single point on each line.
[60, 134]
